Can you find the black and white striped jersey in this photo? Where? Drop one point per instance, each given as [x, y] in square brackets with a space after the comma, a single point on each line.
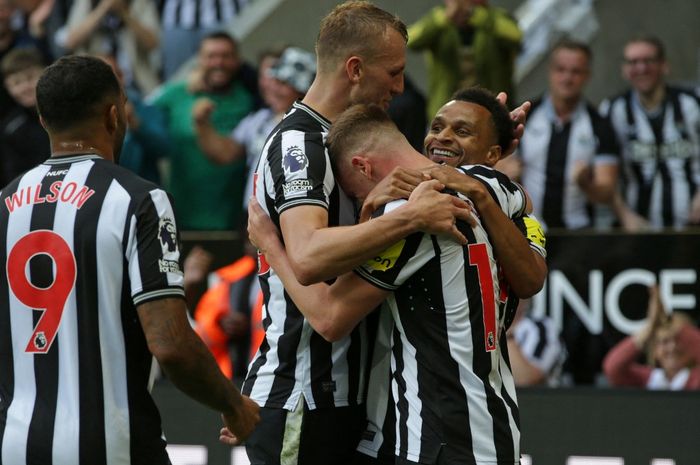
[451, 385]
[83, 242]
[550, 151]
[661, 154]
[199, 14]
[293, 359]
[540, 343]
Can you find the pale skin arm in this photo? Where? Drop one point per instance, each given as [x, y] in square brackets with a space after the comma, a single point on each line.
[524, 372]
[80, 33]
[333, 311]
[217, 148]
[631, 221]
[317, 252]
[190, 366]
[598, 183]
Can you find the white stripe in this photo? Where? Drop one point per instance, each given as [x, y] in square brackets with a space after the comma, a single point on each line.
[165, 210]
[19, 414]
[414, 422]
[66, 438]
[110, 227]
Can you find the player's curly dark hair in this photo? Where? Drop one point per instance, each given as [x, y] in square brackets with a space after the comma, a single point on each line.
[500, 117]
[73, 89]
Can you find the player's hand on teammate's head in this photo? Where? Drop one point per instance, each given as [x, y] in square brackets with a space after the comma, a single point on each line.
[519, 115]
[239, 426]
[437, 213]
[261, 230]
[397, 185]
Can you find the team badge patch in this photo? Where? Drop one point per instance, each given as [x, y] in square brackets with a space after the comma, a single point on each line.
[167, 236]
[294, 160]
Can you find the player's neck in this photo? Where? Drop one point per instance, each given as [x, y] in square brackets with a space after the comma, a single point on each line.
[326, 99]
[64, 147]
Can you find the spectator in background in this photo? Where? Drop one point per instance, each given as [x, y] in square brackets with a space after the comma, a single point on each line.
[467, 42]
[23, 141]
[146, 139]
[186, 22]
[672, 343]
[568, 156]
[128, 30]
[208, 195]
[658, 127]
[535, 349]
[228, 311]
[11, 37]
[283, 82]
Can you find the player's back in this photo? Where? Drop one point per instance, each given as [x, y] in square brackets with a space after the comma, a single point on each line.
[75, 364]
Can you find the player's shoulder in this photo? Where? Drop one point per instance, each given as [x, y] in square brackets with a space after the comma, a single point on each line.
[132, 183]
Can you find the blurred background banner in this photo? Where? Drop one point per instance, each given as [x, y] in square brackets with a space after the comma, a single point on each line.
[596, 291]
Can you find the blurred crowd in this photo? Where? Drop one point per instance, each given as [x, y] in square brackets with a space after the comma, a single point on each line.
[632, 162]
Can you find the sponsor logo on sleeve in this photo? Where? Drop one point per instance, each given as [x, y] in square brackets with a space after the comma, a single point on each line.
[294, 160]
[387, 259]
[296, 186]
[535, 233]
[167, 236]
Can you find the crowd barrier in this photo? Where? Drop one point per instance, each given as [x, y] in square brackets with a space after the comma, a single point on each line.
[568, 426]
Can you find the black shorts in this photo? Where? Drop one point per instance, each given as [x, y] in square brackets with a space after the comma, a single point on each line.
[306, 437]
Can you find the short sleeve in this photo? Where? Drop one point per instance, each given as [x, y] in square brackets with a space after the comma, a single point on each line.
[153, 250]
[393, 266]
[300, 170]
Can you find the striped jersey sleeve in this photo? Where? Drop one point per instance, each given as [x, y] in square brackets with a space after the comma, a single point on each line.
[392, 267]
[153, 250]
[300, 169]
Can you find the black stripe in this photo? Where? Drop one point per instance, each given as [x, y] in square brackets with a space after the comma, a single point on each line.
[541, 340]
[401, 401]
[219, 14]
[93, 449]
[322, 384]
[358, 341]
[7, 380]
[178, 14]
[41, 427]
[197, 14]
[552, 204]
[512, 403]
[236, 7]
[666, 194]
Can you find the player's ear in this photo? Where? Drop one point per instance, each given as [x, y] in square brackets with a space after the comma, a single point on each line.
[493, 155]
[361, 164]
[353, 69]
[112, 119]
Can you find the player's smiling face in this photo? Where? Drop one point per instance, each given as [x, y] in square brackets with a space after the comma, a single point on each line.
[460, 134]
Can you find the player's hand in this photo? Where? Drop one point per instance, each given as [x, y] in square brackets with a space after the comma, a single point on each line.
[460, 182]
[397, 185]
[197, 265]
[519, 115]
[437, 213]
[261, 230]
[202, 110]
[241, 424]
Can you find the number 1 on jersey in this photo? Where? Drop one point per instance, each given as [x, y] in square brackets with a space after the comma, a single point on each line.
[51, 299]
[479, 257]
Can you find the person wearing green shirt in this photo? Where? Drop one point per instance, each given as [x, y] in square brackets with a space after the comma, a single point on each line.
[208, 196]
[467, 43]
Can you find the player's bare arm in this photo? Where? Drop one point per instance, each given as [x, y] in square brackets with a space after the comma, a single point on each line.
[333, 311]
[524, 268]
[317, 252]
[397, 185]
[190, 366]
